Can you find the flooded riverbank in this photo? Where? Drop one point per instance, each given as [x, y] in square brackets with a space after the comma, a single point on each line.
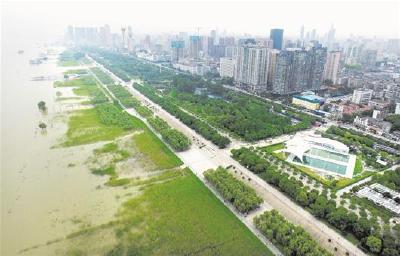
[47, 192]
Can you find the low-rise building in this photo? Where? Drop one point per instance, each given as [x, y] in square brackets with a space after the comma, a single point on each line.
[362, 96]
[308, 101]
[372, 125]
[321, 154]
[227, 67]
[381, 196]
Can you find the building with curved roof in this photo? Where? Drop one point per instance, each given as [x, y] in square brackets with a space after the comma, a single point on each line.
[322, 154]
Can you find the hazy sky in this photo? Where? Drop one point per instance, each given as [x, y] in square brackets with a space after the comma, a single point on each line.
[49, 18]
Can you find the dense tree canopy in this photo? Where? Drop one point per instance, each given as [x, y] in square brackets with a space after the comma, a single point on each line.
[293, 239]
[242, 196]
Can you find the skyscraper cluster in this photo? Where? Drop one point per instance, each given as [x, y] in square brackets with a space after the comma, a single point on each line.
[277, 70]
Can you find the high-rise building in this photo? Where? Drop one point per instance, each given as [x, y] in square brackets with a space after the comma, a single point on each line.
[302, 33]
[362, 96]
[276, 35]
[252, 67]
[331, 69]
[368, 58]
[231, 51]
[397, 111]
[315, 70]
[177, 50]
[273, 54]
[227, 67]
[194, 47]
[331, 37]
[297, 70]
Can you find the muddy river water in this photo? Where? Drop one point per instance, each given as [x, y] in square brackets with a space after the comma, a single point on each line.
[46, 192]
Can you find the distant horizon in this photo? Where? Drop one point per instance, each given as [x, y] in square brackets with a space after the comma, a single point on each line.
[50, 19]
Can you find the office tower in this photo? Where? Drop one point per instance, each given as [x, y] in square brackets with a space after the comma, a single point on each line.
[331, 37]
[276, 35]
[252, 67]
[177, 50]
[194, 47]
[105, 36]
[331, 69]
[302, 33]
[362, 96]
[227, 67]
[130, 39]
[313, 34]
[227, 41]
[123, 29]
[147, 42]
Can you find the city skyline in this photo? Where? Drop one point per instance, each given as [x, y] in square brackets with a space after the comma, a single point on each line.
[256, 18]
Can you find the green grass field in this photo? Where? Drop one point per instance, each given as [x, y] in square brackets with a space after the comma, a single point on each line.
[151, 146]
[182, 217]
[274, 147]
[68, 63]
[85, 127]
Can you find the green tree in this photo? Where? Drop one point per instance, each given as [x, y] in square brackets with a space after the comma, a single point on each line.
[42, 105]
[374, 244]
[42, 125]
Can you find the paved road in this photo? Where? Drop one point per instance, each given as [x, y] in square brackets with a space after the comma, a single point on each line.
[209, 156]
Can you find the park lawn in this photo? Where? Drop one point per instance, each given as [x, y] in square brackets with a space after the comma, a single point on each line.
[358, 168]
[75, 72]
[152, 147]
[85, 127]
[274, 147]
[103, 77]
[68, 63]
[183, 217]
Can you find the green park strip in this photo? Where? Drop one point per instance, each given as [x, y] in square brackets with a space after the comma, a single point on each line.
[182, 217]
[103, 77]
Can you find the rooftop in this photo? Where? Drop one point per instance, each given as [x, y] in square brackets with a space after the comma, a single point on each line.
[310, 98]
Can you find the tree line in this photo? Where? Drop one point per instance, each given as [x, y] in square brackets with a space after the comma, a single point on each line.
[293, 240]
[320, 206]
[235, 191]
[177, 140]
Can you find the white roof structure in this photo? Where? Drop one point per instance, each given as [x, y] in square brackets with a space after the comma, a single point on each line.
[322, 154]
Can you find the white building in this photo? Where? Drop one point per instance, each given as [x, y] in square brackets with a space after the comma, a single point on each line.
[397, 111]
[227, 67]
[321, 154]
[252, 66]
[331, 68]
[362, 96]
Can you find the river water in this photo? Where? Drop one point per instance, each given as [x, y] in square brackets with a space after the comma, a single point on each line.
[46, 192]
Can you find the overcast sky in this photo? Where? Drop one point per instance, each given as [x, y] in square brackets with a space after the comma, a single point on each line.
[49, 18]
